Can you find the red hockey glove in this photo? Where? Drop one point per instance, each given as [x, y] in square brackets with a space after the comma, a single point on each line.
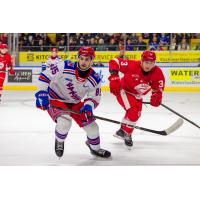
[115, 84]
[11, 71]
[156, 99]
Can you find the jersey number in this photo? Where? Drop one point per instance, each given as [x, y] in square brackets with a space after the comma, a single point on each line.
[1, 65]
[54, 69]
[98, 92]
[161, 84]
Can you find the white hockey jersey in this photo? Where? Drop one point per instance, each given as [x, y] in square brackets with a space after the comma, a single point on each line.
[53, 60]
[62, 83]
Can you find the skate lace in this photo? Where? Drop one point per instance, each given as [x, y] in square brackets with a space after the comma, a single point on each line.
[59, 146]
[127, 137]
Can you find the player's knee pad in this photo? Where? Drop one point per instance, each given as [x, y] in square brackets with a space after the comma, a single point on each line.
[64, 123]
[133, 114]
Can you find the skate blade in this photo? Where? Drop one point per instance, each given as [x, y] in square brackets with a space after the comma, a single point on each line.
[128, 147]
[101, 158]
[121, 138]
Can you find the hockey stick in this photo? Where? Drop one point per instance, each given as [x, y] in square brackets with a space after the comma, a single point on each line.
[175, 113]
[167, 131]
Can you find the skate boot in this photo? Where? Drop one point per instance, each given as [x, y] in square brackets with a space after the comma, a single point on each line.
[128, 140]
[119, 134]
[59, 148]
[100, 152]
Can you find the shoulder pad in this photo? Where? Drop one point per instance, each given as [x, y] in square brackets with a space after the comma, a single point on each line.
[95, 78]
[69, 65]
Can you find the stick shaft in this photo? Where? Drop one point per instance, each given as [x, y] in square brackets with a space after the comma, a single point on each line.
[180, 115]
[176, 114]
[117, 122]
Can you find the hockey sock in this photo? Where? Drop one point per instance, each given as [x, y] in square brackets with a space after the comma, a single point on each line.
[93, 139]
[126, 128]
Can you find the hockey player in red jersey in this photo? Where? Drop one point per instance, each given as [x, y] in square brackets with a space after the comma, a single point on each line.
[4, 51]
[140, 77]
[5, 63]
[75, 86]
[2, 72]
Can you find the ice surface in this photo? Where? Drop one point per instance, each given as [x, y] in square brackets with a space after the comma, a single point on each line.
[27, 134]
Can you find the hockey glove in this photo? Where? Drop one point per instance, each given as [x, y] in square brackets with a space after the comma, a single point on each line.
[156, 99]
[43, 67]
[86, 115]
[42, 100]
[115, 84]
[11, 71]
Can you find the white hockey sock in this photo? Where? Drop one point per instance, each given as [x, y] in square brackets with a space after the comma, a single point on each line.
[93, 139]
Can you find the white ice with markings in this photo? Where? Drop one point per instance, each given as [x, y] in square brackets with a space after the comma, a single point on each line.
[27, 134]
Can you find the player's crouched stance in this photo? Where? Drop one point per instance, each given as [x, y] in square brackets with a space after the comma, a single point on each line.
[139, 78]
[63, 86]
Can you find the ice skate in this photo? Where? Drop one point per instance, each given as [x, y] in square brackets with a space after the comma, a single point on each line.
[59, 148]
[119, 134]
[128, 140]
[100, 153]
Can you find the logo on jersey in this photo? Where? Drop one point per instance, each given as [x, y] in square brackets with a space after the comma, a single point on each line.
[71, 64]
[101, 76]
[97, 75]
[73, 93]
[142, 88]
[124, 63]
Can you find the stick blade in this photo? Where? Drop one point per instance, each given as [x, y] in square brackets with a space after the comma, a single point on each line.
[174, 126]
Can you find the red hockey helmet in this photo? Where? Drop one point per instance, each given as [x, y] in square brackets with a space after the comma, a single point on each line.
[54, 49]
[148, 56]
[86, 51]
[1, 46]
[4, 46]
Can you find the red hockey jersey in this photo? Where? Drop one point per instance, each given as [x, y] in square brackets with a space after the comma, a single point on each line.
[8, 59]
[3, 64]
[135, 80]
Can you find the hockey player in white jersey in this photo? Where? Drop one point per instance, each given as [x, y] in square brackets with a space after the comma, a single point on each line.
[52, 60]
[74, 86]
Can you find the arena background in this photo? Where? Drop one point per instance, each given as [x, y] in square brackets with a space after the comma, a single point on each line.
[180, 65]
